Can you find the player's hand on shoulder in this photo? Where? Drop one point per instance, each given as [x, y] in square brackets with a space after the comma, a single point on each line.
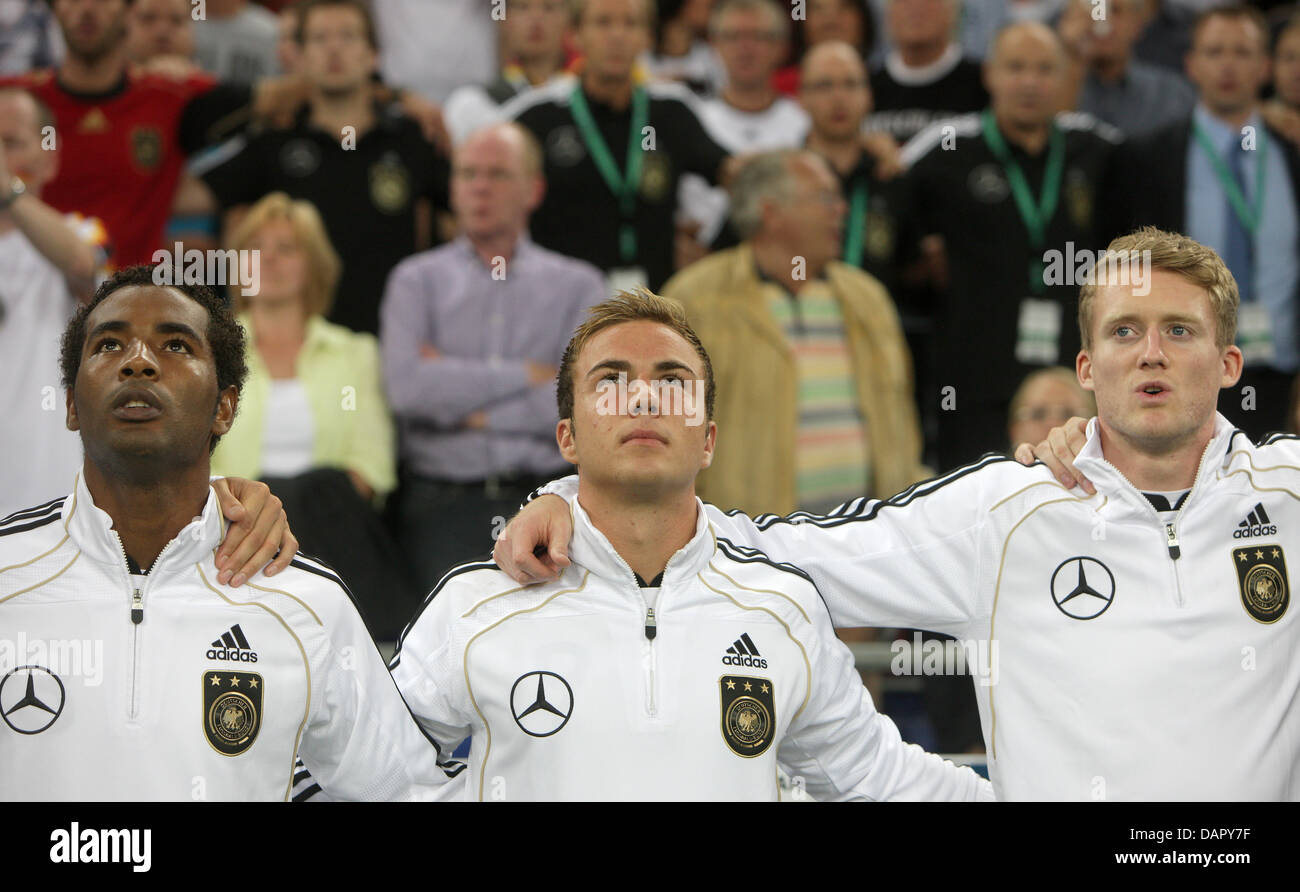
[1058, 452]
[258, 532]
[534, 546]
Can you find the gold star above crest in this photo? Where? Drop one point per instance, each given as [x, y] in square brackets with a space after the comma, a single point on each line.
[216, 680]
[763, 689]
[748, 686]
[252, 682]
[1276, 553]
[234, 681]
[731, 685]
[1241, 556]
[1259, 555]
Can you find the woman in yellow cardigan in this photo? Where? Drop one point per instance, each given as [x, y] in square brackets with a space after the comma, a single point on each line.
[312, 420]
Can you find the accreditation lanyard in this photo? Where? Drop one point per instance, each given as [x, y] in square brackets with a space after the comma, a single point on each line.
[1035, 215]
[856, 222]
[624, 186]
[1248, 215]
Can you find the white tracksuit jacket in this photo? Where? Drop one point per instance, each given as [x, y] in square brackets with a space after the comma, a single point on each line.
[1156, 677]
[208, 696]
[568, 696]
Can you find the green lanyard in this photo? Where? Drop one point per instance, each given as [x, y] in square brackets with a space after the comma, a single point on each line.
[1249, 216]
[856, 223]
[1035, 215]
[623, 186]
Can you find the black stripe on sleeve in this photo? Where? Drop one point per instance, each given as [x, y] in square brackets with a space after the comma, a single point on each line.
[742, 554]
[428, 599]
[752, 556]
[325, 571]
[25, 513]
[30, 526]
[449, 766]
[307, 793]
[866, 509]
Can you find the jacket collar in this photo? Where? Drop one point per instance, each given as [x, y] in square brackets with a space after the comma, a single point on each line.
[592, 551]
[1109, 481]
[91, 530]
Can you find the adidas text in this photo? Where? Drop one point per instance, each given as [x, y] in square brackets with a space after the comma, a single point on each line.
[1257, 523]
[232, 646]
[755, 662]
[236, 656]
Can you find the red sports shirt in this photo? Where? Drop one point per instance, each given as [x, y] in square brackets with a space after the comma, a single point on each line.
[119, 154]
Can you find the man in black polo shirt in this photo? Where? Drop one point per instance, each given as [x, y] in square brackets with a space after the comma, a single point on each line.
[924, 77]
[614, 150]
[368, 171]
[1001, 189]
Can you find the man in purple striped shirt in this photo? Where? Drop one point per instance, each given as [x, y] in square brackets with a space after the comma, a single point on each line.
[472, 334]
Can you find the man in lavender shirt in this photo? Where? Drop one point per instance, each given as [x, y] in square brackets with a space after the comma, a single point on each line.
[472, 334]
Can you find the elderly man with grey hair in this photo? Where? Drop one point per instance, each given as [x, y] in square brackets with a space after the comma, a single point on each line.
[817, 400]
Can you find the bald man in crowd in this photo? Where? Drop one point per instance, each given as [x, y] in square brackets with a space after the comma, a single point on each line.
[1012, 195]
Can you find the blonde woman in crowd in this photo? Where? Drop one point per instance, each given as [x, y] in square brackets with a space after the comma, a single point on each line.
[313, 421]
